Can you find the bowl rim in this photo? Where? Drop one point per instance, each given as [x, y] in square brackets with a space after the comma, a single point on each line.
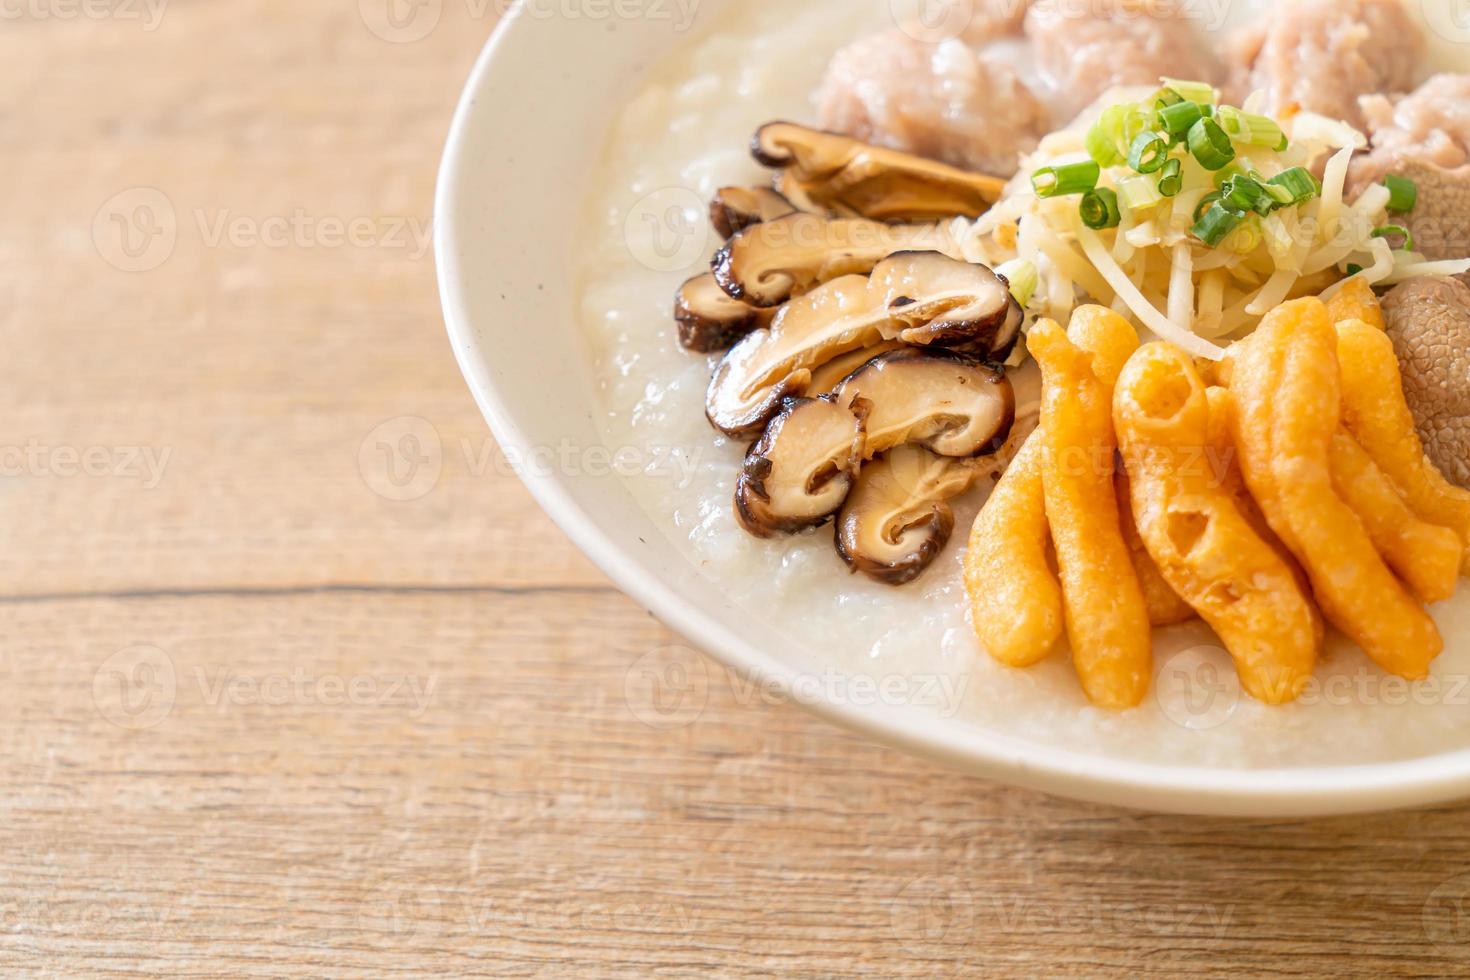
[1268, 792]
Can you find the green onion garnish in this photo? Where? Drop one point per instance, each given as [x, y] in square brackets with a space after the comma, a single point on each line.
[1403, 193]
[1201, 92]
[1071, 178]
[1176, 119]
[1204, 204]
[1102, 147]
[1301, 185]
[1217, 222]
[1389, 231]
[1023, 279]
[1171, 178]
[1138, 192]
[1148, 152]
[1244, 193]
[1165, 97]
[1099, 209]
[1249, 128]
[1353, 268]
[1209, 144]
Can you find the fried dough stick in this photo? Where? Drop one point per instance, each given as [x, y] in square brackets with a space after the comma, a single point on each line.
[1106, 618]
[1375, 412]
[1015, 598]
[1287, 403]
[1426, 556]
[1204, 546]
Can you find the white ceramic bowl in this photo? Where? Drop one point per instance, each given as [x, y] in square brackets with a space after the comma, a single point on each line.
[527, 132]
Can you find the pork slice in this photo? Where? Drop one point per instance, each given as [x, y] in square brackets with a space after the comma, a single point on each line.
[1322, 55]
[1084, 49]
[946, 101]
[1429, 322]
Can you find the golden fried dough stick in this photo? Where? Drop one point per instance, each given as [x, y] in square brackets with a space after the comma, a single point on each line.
[1286, 406]
[1165, 607]
[1375, 412]
[1355, 300]
[1107, 336]
[1203, 545]
[1224, 460]
[1015, 600]
[1426, 556]
[1107, 621]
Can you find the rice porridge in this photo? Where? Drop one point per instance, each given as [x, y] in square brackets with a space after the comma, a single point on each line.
[680, 138]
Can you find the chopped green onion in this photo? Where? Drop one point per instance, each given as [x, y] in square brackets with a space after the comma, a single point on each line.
[1138, 192]
[1403, 193]
[1191, 91]
[1148, 152]
[1249, 128]
[1166, 97]
[1388, 231]
[1353, 268]
[1022, 276]
[1176, 119]
[1171, 178]
[1102, 147]
[1217, 222]
[1204, 204]
[1209, 144]
[1071, 178]
[1121, 124]
[1243, 193]
[1302, 185]
[1099, 209]
[1226, 172]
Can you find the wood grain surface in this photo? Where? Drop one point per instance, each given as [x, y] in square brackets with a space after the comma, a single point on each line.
[264, 719]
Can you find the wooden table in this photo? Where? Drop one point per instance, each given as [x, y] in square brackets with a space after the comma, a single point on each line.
[266, 716]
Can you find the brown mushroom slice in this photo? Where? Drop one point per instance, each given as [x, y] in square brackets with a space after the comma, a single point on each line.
[851, 313]
[768, 263]
[849, 177]
[769, 365]
[709, 320]
[800, 471]
[896, 519]
[826, 378]
[736, 208]
[946, 303]
[950, 404]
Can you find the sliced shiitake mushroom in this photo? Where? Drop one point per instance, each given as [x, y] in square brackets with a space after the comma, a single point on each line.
[896, 519]
[735, 208]
[945, 303]
[799, 472]
[828, 171]
[948, 403]
[855, 312]
[768, 263]
[709, 320]
[826, 378]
